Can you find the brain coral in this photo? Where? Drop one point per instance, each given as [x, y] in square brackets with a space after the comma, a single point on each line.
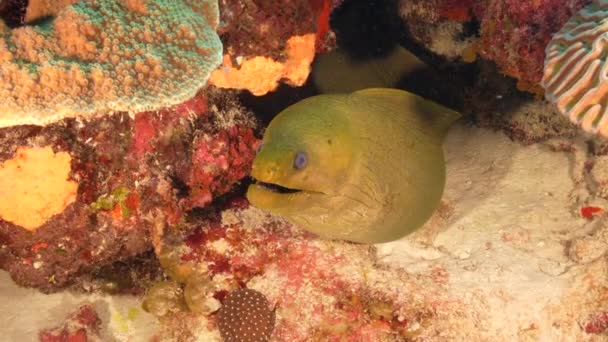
[107, 55]
[575, 74]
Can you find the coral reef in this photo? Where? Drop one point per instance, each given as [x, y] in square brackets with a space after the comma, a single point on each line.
[321, 290]
[439, 26]
[504, 244]
[512, 33]
[101, 203]
[134, 177]
[82, 325]
[40, 9]
[95, 57]
[266, 42]
[246, 316]
[574, 77]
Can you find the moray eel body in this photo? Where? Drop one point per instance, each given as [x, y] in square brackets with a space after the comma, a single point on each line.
[365, 167]
[338, 72]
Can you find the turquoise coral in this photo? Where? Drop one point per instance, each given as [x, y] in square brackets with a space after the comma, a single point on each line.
[103, 56]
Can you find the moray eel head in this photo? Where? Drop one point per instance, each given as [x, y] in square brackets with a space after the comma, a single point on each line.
[303, 161]
[365, 167]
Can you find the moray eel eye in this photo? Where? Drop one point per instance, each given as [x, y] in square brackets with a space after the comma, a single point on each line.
[300, 161]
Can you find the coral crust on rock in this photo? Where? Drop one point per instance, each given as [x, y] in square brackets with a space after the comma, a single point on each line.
[134, 179]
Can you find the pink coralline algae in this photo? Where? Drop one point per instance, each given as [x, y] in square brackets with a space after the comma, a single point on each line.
[148, 125]
[216, 157]
[219, 160]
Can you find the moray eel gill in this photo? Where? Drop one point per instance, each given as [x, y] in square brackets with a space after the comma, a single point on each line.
[365, 167]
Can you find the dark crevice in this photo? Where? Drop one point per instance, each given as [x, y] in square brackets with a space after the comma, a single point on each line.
[277, 188]
[12, 12]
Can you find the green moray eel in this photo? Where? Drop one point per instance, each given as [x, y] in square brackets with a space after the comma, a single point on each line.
[365, 167]
[338, 72]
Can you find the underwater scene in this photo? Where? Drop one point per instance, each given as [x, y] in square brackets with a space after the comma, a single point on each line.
[303, 170]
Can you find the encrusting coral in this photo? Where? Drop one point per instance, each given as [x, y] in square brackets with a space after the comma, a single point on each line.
[110, 55]
[575, 69]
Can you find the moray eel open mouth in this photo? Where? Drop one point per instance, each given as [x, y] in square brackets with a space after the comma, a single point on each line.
[276, 188]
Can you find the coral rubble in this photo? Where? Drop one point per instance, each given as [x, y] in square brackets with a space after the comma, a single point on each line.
[100, 56]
